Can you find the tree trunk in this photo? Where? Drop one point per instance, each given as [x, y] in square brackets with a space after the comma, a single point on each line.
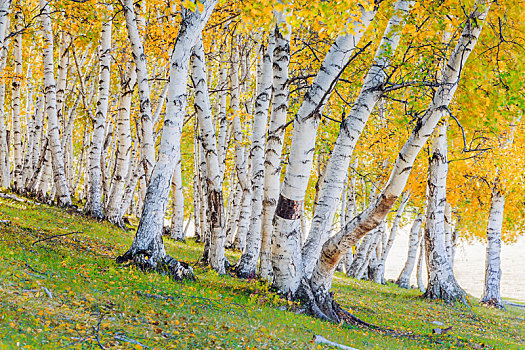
[491, 292]
[441, 281]
[247, 266]
[93, 205]
[139, 57]
[122, 166]
[59, 177]
[215, 202]
[4, 150]
[415, 234]
[419, 268]
[147, 249]
[15, 100]
[177, 195]
[351, 128]
[286, 246]
[274, 141]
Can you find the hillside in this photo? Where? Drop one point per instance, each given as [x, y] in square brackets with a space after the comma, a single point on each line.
[68, 292]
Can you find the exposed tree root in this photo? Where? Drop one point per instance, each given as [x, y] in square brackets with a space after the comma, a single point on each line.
[450, 292]
[324, 307]
[493, 303]
[167, 265]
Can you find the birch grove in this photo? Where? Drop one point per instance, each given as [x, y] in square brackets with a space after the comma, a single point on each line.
[285, 143]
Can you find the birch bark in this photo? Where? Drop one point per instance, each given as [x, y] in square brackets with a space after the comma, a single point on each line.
[415, 234]
[122, 166]
[17, 127]
[372, 216]
[59, 177]
[139, 57]
[286, 246]
[148, 239]
[94, 205]
[491, 292]
[215, 201]
[351, 128]
[247, 266]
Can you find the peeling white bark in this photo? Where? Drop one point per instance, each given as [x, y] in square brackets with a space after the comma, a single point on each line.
[375, 213]
[351, 128]
[93, 205]
[286, 246]
[59, 177]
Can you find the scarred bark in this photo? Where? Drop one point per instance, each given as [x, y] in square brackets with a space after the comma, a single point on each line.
[286, 246]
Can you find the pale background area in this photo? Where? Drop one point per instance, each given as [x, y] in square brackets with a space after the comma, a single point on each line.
[469, 266]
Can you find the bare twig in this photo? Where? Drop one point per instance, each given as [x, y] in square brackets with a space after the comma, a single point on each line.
[55, 236]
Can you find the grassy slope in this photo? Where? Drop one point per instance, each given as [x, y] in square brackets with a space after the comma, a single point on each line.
[90, 292]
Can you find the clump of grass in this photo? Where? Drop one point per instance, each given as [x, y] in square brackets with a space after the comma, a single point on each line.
[69, 292]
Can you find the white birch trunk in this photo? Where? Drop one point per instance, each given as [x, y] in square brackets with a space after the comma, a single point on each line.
[491, 292]
[94, 205]
[351, 128]
[215, 201]
[375, 213]
[380, 272]
[59, 177]
[286, 246]
[247, 266]
[148, 239]
[177, 215]
[122, 166]
[4, 149]
[415, 233]
[419, 268]
[139, 57]
[441, 281]
[274, 141]
[17, 127]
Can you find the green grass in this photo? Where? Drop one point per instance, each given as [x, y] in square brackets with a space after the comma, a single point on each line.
[92, 295]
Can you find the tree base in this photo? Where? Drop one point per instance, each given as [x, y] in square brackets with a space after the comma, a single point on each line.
[493, 303]
[324, 307]
[166, 265]
[449, 292]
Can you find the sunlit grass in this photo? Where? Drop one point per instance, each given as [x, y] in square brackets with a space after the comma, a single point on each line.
[67, 291]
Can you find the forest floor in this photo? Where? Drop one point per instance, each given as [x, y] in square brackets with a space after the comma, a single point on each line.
[68, 292]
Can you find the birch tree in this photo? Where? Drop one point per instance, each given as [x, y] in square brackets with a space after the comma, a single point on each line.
[93, 205]
[147, 249]
[316, 290]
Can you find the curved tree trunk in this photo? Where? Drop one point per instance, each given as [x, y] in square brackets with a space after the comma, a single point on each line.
[147, 249]
[286, 246]
[491, 292]
[351, 128]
